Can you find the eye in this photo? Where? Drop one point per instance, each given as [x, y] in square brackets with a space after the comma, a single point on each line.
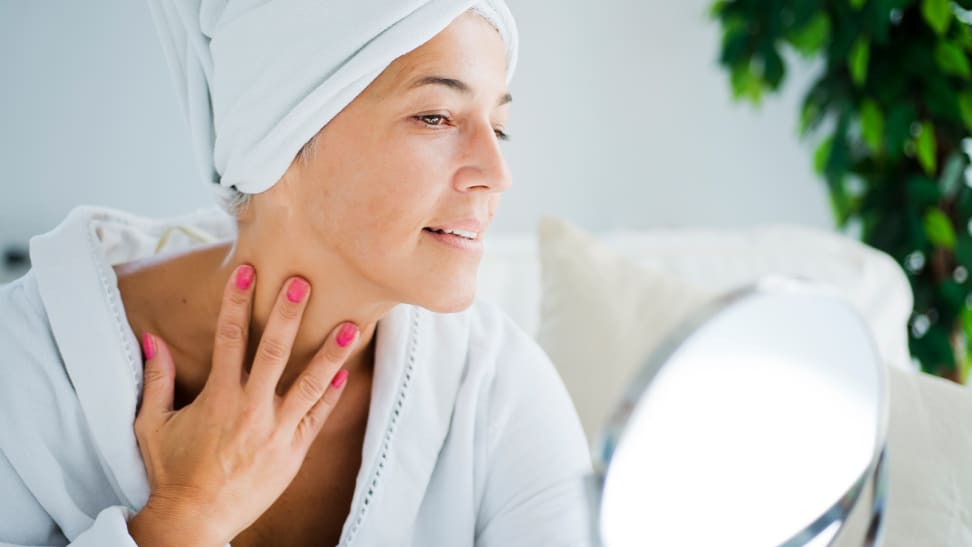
[438, 120]
[432, 120]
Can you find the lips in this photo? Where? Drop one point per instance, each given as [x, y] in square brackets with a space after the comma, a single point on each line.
[473, 245]
[466, 229]
[458, 233]
[470, 224]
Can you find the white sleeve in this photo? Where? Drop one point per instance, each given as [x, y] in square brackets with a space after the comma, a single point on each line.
[538, 459]
[110, 529]
[24, 522]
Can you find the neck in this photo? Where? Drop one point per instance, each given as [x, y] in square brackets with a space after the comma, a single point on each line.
[336, 295]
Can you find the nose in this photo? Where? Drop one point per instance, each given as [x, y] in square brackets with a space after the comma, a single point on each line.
[484, 167]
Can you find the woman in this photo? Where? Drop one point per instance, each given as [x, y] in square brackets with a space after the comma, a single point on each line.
[317, 371]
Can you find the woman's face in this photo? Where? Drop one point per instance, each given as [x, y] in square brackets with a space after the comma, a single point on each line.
[418, 149]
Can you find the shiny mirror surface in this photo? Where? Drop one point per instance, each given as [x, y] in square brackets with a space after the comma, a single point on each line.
[757, 424]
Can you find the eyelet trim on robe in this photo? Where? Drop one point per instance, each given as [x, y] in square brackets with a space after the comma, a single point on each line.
[195, 233]
[119, 323]
[390, 431]
[120, 326]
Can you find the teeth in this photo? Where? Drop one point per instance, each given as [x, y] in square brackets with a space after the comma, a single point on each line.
[460, 233]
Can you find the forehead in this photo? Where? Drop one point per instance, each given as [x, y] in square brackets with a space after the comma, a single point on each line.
[469, 49]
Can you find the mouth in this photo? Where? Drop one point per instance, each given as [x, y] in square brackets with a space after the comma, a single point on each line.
[456, 239]
[470, 236]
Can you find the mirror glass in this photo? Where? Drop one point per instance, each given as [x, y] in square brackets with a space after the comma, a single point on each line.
[761, 422]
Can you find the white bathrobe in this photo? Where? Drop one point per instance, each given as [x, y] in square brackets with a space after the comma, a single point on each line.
[471, 437]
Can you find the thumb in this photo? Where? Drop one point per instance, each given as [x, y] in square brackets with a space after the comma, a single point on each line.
[159, 376]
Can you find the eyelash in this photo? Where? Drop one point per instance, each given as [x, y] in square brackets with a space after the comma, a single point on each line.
[500, 134]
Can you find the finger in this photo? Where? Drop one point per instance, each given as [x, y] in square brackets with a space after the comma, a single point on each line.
[232, 328]
[317, 381]
[273, 353]
[158, 379]
[312, 422]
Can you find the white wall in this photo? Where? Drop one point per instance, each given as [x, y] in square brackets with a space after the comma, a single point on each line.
[621, 118]
[624, 119]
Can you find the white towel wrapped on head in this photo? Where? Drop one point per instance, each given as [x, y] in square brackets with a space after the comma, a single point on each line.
[259, 78]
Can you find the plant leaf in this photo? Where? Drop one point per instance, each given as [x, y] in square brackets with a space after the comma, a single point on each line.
[872, 125]
[966, 318]
[860, 55]
[773, 68]
[927, 148]
[811, 37]
[922, 192]
[951, 293]
[953, 60]
[857, 4]
[897, 127]
[963, 252]
[745, 83]
[822, 155]
[939, 229]
[965, 109]
[938, 14]
[810, 115]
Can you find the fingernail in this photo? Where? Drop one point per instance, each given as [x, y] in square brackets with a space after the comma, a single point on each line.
[339, 378]
[244, 276]
[148, 346]
[346, 334]
[297, 290]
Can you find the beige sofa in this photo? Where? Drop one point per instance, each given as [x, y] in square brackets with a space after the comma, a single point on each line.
[628, 289]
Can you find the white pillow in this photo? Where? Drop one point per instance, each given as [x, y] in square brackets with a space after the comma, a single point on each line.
[601, 315]
[722, 259]
[929, 449]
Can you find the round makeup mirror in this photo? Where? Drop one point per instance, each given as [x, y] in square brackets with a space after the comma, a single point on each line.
[760, 422]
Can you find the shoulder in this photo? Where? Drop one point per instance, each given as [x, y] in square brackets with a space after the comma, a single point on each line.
[534, 455]
[25, 338]
[497, 350]
[483, 334]
[33, 380]
[497, 347]
[45, 431]
[522, 387]
[493, 333]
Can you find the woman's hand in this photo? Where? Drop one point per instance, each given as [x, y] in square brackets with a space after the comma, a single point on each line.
[217, 464]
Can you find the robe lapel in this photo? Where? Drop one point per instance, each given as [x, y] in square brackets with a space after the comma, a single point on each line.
[419, 363]
[97, 347]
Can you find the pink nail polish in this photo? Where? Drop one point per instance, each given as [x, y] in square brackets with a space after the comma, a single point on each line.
[346, 334]
[297, 290]
[148, 346]
[244, 276]
[339, 378]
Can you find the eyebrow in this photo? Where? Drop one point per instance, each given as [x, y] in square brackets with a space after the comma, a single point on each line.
[455, 84]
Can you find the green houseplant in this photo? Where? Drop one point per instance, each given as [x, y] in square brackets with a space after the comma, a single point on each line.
[892, 109]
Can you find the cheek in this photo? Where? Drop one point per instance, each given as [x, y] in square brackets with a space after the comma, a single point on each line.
[380, 217]
[376, 198]
[405, 186]
[396, 216]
